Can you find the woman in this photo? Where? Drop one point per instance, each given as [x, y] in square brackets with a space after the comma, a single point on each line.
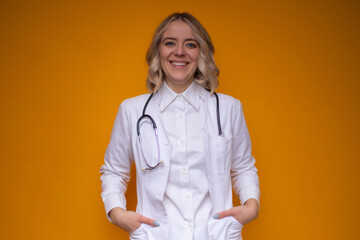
[190, 146]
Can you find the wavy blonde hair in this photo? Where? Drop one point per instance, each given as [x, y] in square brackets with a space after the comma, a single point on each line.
[206, 74]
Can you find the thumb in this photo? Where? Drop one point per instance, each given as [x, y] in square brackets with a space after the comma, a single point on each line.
[148, 221]
[223, 214]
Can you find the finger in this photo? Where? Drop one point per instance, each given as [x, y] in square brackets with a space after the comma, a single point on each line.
[148, 221]
[223, 214]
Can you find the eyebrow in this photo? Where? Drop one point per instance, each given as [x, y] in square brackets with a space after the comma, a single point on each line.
[187, 39]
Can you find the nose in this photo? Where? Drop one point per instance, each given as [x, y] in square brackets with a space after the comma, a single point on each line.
[179, 51]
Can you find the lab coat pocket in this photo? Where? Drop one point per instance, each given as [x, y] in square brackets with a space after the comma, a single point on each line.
[224, 152]
[234, 230]
[139, 234]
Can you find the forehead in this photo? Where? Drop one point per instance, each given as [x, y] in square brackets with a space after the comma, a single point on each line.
[178, 29]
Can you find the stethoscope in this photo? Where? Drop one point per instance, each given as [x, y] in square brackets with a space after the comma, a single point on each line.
[144, 115]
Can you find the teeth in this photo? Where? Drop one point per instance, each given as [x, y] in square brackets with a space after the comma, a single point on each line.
[178, 64]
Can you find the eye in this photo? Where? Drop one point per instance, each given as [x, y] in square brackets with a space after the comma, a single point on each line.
[191, 45]
[169, 43]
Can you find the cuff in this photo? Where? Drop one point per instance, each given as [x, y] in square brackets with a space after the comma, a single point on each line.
[249, 192]
[113, 200]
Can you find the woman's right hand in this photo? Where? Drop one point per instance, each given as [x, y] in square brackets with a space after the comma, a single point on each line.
[128, 220]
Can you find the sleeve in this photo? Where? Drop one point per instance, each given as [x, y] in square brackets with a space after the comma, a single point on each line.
[244, 176]
[118, 159]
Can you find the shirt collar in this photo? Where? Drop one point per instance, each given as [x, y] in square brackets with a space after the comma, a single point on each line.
[191, 94]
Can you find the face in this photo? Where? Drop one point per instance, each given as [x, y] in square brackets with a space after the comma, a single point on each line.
[179, 52]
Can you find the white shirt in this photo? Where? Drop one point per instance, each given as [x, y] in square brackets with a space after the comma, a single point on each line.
[186, 200]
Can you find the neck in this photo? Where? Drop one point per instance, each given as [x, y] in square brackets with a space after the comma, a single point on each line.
[179, 88]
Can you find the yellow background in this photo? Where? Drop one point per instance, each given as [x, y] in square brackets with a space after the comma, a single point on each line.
[65, 66]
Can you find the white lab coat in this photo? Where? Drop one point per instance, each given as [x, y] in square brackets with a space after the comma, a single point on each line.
[229, 163]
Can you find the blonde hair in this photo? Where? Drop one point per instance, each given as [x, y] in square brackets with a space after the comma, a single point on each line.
[206, 74]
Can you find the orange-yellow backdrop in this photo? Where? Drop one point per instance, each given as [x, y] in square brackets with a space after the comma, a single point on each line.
[67, 65]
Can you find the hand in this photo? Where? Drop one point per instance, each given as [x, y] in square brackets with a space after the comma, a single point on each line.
[243, 214]
[128, 220]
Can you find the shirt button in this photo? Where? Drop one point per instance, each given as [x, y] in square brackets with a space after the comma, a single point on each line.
[190, 225]
[184, 168]
[212, 236]
[182, 141]
[180, 116]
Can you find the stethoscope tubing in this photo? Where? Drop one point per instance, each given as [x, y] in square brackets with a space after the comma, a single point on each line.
[155, 127]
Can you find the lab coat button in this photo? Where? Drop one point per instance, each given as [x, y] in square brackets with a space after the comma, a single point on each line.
[212, 236]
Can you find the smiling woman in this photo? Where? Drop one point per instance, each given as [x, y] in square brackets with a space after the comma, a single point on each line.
[206, 73]
[179, 52]
[188, 157]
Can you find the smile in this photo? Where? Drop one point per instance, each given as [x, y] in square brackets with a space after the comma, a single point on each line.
[179, 63]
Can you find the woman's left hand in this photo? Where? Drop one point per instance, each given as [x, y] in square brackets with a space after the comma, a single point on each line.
[243, 214]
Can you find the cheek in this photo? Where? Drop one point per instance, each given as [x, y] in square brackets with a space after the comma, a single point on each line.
[163, 55]
[196, 61]
[195, 56]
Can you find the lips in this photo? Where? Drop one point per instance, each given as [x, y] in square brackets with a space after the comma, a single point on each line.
[178, 63]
